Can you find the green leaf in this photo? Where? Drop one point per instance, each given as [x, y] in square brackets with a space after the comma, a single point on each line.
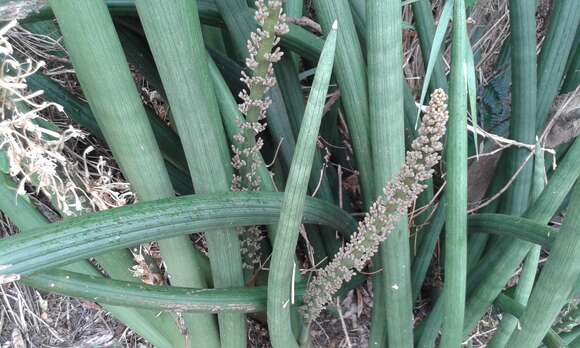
[282, 265]
[444, 20]
[454, 288]
[350, 70]
[181, 59]
[530, 267]
[26, 217]
[424, 23]
[516, 309]
[472, 91]
[392, 287]
[79, 238]
[513, 226]
[159, 297]
[103, 72]
[558, 278]
[559, 40]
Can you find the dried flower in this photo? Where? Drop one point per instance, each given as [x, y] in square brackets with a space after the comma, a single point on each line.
[398, 195]
[147, 272]
[247, 144]
[38, 154]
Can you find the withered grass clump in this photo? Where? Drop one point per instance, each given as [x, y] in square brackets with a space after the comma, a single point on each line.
[399, 195]
[36, 151]
[247, 143]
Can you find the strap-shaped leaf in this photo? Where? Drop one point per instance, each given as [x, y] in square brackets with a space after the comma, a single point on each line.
[471, 90]
[293, 208]
[79, 238]
[162, 298]
[456, 218]
[392, 287]
[299, 40]
[557, 280]
[435, 49]
[181, 59]
[514, 227]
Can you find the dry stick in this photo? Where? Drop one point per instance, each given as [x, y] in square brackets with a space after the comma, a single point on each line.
[307, 23]
[342, 323]
[504, 143]
[522, 165]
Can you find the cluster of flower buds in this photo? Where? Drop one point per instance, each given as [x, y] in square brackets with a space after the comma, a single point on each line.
[263, 54]
[398, 195]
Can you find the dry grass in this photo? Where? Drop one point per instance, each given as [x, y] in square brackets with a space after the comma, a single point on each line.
[347, 326]
[29, 318]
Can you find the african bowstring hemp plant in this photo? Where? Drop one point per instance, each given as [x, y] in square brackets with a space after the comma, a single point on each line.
[385, 212]
[247, 143]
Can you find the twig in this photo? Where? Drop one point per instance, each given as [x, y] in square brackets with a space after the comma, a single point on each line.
[515, 143]
[342, 323]
[305, 22]
[504, 143]
[505, 187]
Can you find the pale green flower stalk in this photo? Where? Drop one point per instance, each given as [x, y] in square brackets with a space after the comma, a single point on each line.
[247, 144]
[399, 195]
